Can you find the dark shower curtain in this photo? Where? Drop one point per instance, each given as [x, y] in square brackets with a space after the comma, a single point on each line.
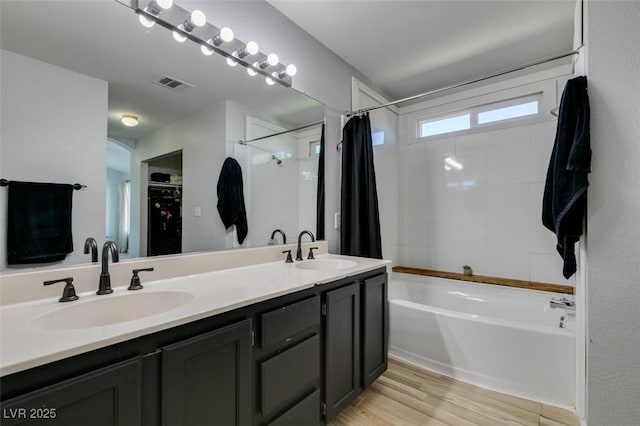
[360, 219]
[320, 191]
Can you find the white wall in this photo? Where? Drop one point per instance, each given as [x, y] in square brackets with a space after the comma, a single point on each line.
[613, 240]
[54, 120]
[487, 215]
[202, 141]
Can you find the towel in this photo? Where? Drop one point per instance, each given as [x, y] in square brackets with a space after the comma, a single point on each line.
[231, 198]
[565, 193]
[38, 222]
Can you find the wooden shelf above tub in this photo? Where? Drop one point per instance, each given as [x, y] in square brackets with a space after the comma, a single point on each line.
[507, 282]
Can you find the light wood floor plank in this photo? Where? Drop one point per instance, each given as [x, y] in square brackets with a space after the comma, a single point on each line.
[406, 395]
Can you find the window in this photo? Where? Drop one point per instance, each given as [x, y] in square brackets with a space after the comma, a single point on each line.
[513, 109]
[445, 125]
[377, 138]
[509, 112]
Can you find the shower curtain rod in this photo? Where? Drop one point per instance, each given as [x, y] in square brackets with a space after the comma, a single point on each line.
[466, 83]
[281, 133]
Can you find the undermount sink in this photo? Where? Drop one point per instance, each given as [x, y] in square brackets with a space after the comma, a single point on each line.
[108, 310]
[326, 264]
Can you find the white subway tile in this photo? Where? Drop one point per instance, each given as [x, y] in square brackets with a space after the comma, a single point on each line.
[547, 268]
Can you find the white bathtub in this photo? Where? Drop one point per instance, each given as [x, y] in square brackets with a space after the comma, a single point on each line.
[504, 339]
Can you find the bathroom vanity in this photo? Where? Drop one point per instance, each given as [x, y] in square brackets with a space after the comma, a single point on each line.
[292, 347]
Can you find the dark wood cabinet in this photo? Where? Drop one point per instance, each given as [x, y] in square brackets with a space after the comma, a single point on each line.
[375, 328]
[356, 335]
[207, 379]
[108, 396]
[288, 364]
[342, 348]
[297, 359]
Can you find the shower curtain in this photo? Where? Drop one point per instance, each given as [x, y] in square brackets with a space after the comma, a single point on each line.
[360, 219]
[320, 191]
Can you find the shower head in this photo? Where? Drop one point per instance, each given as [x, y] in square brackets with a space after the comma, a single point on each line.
[278, 161]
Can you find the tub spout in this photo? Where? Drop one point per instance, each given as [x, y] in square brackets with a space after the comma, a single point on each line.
[563, 303]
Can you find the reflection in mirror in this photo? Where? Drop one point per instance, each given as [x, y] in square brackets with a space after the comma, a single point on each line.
[63, 99]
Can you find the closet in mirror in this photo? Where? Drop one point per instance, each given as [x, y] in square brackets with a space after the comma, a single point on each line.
[146, 124]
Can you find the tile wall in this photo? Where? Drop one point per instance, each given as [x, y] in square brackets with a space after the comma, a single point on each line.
[487, 214]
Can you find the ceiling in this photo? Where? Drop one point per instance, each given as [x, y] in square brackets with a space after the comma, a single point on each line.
[410, 47]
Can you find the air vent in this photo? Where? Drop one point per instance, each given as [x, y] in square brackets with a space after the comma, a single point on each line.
[172, 83]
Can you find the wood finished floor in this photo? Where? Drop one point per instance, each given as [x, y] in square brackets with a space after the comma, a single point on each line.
[406, 395]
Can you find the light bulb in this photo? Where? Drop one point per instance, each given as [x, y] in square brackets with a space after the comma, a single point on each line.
[206, 50]
[226, 34]
[269, 81]
[164, 4]
[146, 22]
[272, 59]
[178, 36]
[231, 62]
[251, 72]
[252, 48]
[291, 70]
[197, 19]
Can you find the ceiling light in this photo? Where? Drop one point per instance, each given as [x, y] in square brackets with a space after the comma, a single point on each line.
[130, 120]
[183, 29]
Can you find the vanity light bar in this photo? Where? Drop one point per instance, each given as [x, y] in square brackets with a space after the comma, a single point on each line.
[220, 41]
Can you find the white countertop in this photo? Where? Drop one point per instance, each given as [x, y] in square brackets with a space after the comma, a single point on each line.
[25, 344]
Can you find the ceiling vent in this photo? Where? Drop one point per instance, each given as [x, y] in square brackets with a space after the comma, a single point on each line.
[172, 83]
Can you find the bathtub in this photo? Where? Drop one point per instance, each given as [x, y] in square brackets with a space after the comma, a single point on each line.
[499, 338]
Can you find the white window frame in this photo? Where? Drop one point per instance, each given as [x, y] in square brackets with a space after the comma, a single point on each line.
[546, 84]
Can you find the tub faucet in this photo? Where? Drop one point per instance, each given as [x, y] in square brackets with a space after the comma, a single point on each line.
[90, 244]
[563, 303]
[299, 251]
[104, 286]
[273, 241]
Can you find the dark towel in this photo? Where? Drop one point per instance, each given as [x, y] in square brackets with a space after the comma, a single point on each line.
[231, 198]
[565, 193]
[38, 222]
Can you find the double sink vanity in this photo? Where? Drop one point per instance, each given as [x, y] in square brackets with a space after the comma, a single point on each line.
[232, 343]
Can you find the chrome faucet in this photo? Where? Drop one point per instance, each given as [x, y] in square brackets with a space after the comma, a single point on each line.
[563, 303]
[273, 241]
[90, 244]
[104, 286]
[299, 251]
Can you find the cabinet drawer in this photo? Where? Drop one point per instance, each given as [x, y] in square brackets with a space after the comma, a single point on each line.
[281, 325]
[305, 412]
[289, 376]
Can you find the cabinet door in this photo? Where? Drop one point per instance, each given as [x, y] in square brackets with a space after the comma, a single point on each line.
[342, 348]
[374, 329]
[107, 396]
[207, 379]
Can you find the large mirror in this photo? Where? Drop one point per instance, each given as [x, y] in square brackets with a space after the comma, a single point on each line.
[72, 69]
